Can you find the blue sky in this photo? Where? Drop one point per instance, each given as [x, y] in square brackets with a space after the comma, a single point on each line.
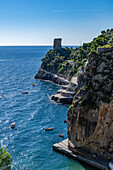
[38, 22]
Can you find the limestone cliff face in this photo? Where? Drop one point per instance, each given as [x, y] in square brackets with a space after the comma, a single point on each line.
[90, 117]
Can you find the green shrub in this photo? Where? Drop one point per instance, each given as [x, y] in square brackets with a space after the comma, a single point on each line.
[5, 159]
[105, 46]
[62, 69]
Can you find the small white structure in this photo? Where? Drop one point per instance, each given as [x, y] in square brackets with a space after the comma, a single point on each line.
[71, 62]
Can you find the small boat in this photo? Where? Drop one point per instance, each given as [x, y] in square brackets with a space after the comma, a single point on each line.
[65, 121]
[13, 125]
[33, 84]
[48, 129]
[111, 165]
[25, 92]
[61, 135]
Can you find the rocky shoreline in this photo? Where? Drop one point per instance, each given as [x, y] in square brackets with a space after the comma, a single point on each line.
[45, 75]
[64, 95]
[90, 117]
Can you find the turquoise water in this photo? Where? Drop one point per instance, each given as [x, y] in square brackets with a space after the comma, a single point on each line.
[30, 145]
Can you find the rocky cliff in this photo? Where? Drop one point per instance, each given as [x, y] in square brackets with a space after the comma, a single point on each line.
[45, 75]
[90, 117]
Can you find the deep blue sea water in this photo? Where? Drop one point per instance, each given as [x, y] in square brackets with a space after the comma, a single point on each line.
[29, 145]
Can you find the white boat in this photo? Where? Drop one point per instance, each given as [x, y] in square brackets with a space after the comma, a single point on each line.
[24, 92]
[13, 125]
[48, 129]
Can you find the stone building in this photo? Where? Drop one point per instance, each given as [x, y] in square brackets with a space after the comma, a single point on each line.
[57, 43]
[104, 50]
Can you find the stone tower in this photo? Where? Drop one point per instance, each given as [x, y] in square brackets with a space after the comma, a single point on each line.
[57, 43]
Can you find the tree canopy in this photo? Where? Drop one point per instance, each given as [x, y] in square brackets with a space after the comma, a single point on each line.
[5, 159]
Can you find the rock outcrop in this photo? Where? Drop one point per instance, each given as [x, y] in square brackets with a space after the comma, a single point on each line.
[45, 75]
[90, 117]
[64, 95]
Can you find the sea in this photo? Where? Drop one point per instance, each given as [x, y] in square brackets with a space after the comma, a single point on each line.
[28, 143]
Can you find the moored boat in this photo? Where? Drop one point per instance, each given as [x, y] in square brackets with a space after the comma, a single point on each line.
[48, 129]
[13, 125]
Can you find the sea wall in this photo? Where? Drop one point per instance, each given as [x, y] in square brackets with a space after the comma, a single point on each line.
[90, 117]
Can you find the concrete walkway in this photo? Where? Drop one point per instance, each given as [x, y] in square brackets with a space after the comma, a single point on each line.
[74, 80]
[62, 147]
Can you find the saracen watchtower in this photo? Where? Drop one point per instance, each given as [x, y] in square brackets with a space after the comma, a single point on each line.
[57, 43]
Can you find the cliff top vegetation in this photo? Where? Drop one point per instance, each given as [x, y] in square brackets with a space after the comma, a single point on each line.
[57, 61]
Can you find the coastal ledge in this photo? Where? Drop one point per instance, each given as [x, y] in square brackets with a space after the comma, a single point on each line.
[44, 75]
[62, 147]
[64, 95]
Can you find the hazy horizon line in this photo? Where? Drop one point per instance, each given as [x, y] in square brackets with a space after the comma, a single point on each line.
[36, 45]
